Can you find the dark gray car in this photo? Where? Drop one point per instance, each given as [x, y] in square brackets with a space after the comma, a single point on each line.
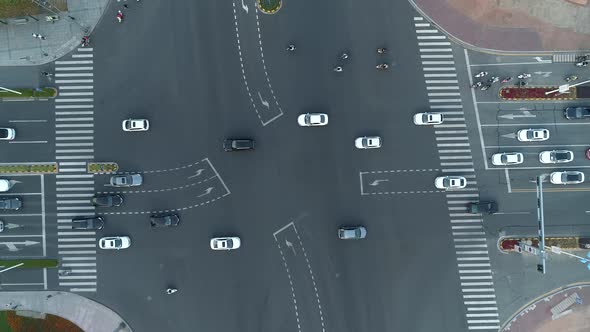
[577, 113]
[10, 203]
[107, 200]
[238, 144]
[169, 220]
[87, 223]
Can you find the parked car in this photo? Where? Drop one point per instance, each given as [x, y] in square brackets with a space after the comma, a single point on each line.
[1, 226]
[577, 113]
[7, 134]
[368, 142]
[114, 242]
[487, 207]
[427, 118]
[566, 177]
[10, 203]
[128, 180]
[168, 220]
[507, 158]
[87, 223]
[450, 182]
[352, 232]
[312, 119]
[225, 243]
[556, 156]
[5, 185]
[533, 135]
[110, 200]
[238, 144]
[136, 125]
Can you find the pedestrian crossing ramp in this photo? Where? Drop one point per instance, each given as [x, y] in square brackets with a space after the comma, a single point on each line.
[562, 308]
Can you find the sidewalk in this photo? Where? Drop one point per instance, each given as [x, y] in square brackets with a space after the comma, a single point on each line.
[90, 316]
[511, 26]
[553, 312]
[18, 47]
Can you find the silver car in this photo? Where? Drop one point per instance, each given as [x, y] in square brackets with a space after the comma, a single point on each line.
[352, 232]
[129, 180]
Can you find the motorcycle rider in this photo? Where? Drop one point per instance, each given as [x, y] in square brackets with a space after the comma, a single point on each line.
[338, 69]
[291, 47]
[381, 50]
[171, 291]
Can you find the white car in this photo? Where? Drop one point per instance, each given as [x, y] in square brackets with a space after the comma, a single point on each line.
[225, 243]
[136, 125]
[7, 134]
[5, 185]
[556, 156]
[422, 119]
[567, 177]
[533, 135]
[312, 119]
[114, 242]
[368, 142]
[450, 182]
[507, 158]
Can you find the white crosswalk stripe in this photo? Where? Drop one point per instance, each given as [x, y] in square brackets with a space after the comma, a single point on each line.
[454, 150]
[74, 116]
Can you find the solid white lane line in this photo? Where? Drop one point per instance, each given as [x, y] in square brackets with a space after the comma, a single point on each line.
[75, 119]
[455, 151]
[436, 56]
[444, 101]
[432, 50]
[70, 62]
[440, 75]
[73, 106]
[76, 87]
[442, 81]
[434, 44]
[442, 88]
[59, 68]
[446, 106]
[438, 68]
[68, 113]
[431, 38]
[427, 31]
[448, 132]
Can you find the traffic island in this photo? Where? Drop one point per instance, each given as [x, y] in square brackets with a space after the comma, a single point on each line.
[536, 93]
[28, 264]
[102, 168]
[40, 168]
[269, 6]
[28, 94]
[511, 244]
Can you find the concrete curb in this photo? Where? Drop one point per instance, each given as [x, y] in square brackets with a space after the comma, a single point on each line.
[89, 315]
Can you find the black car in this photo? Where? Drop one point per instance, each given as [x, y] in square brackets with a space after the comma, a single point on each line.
[488, 207]
[168, 220]
[107, 200]
[577, 113]
[10, 203]
[238, 144]
[87, 223]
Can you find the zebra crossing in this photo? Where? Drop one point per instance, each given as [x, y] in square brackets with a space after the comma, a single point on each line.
[566, 57]
[74, 147]
[455, 157]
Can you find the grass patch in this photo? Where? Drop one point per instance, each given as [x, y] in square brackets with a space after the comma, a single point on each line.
[18, 8]
[106, 167]
[269, 6]
[29, 93]
[29, 263]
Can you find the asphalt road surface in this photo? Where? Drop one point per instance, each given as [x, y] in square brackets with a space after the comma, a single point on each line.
[195, 70]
